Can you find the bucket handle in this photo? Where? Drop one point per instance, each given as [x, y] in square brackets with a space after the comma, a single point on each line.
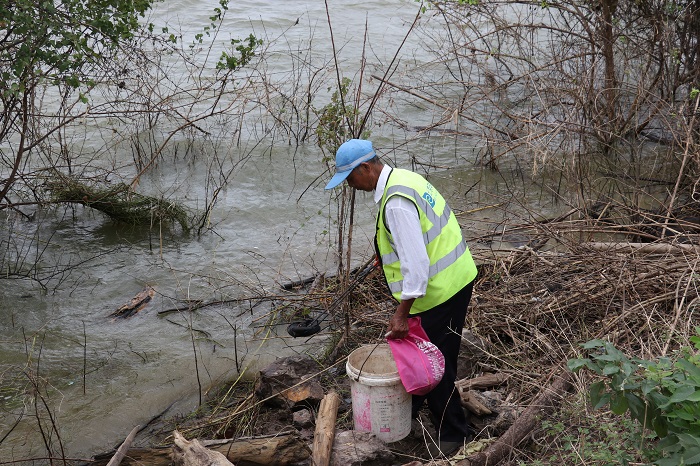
[359, 374]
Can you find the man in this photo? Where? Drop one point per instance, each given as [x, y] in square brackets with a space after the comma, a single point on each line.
[427, 266]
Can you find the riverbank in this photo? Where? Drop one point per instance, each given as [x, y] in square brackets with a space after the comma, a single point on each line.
[532, 309]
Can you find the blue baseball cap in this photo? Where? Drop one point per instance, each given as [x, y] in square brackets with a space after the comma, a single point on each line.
[349, 155]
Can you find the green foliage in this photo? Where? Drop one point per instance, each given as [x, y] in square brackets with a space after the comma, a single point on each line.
[460, 2]
[245, 48]
[662, 395]
[214, 19]
[246, 51]
[590, 440]
[336, 122]
[55, 40]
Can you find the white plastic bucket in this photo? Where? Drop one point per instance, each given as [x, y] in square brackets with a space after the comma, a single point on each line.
[380, 404]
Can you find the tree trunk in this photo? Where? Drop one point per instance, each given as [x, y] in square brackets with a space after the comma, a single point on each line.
[608, 11]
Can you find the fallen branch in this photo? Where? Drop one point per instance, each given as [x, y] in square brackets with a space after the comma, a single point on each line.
[650, 248]
[523, 426]
[121, 451]
[118, 201]
[482, 382]
[136, 303]
[325, 429]
[281, 450]
[470, 402]
[465, 389]
[193, 453]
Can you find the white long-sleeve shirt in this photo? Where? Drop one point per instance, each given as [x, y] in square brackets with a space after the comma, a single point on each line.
[404, 224]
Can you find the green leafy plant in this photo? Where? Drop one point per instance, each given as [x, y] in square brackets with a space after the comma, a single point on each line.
[56, 40]
[246, 52]
[576, 436]
[662, 395]
[337, 120]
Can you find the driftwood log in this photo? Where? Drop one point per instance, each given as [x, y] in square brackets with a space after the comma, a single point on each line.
[121, 451]
[136, 303]
[470, 402]
[481, 382]
[279, 450]
[465, 389]
[325, 429]
[544, 404]
[193, 453]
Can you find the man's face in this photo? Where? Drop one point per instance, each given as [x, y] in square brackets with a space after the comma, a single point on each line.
[359, 178]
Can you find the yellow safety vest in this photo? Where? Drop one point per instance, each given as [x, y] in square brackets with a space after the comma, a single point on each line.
[451, 263]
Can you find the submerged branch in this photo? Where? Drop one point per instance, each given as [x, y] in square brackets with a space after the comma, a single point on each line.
[119, 202]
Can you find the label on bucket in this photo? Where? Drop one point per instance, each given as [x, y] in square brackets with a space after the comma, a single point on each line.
[384, 411]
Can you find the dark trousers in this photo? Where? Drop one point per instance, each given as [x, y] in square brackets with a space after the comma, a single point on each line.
[443, 324]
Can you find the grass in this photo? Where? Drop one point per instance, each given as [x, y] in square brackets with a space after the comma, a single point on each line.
[576, 435]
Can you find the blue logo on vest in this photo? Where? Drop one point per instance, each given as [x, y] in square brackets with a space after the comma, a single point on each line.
[430, 199]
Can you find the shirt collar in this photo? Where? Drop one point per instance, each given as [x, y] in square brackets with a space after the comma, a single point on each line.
[381, 183]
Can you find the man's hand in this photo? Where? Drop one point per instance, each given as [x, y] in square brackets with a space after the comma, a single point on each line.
[398, 324]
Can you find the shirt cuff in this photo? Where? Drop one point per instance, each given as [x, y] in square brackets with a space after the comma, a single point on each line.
[414, 295]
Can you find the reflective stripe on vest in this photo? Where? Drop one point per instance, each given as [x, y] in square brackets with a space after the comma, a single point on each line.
[442, 238]
[439, 221]
[439, 266]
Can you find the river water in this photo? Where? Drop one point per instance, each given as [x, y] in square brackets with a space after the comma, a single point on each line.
[273, 224]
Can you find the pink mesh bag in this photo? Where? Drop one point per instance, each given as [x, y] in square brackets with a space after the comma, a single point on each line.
[420, 363]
